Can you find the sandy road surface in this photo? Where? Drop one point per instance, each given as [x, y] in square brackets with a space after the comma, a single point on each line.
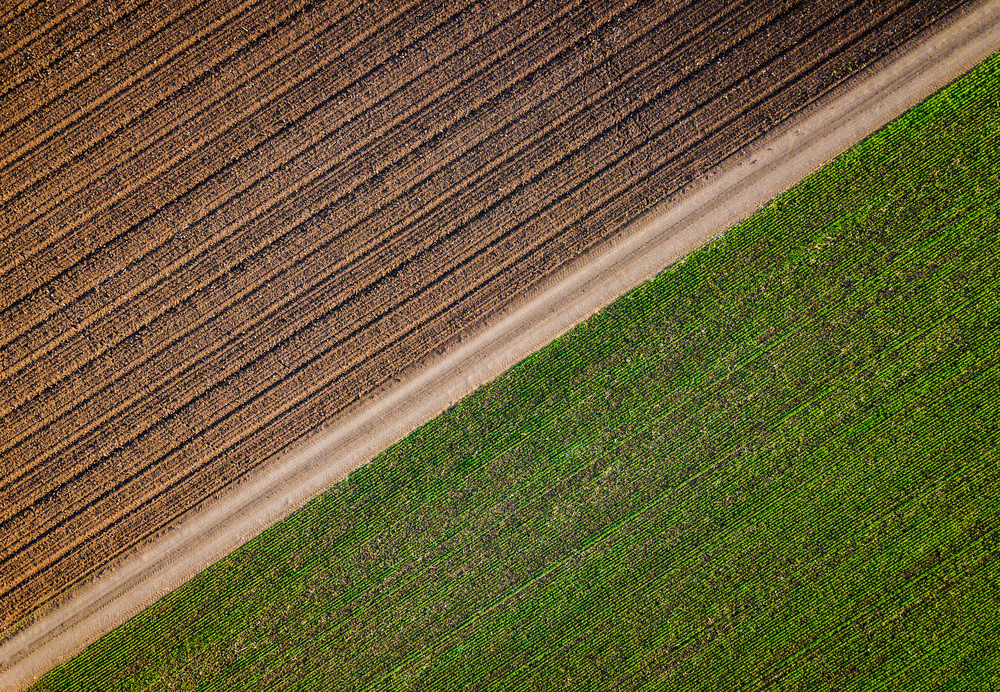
[563, 300]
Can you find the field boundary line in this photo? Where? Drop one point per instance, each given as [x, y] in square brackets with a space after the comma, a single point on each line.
[736, 190]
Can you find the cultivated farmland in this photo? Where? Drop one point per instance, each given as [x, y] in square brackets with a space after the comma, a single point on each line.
[775, 466]
[222, 223]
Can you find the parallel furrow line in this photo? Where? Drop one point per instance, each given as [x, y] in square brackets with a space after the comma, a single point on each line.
[13, 12]
[203, 97]
[72, 33]
[177, 35]
[417, 176]
[136, 239]
[242, 217]
[334, 189]
[61, 84]
[361, 276]
[28, 262]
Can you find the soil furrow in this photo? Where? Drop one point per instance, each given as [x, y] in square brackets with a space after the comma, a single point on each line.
[128, 237]
[54, 37]
[24, 267]
[13, 12]
[480, 95]
[66, 81]
[192, 108]
[21, 26]
[179, 279]
[308, 165]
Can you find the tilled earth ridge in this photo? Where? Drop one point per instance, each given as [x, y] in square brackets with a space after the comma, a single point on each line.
[223, 223]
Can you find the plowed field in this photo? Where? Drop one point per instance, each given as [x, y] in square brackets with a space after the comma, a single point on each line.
[222, 223]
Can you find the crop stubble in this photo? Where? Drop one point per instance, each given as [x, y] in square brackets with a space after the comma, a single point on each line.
[224, 225]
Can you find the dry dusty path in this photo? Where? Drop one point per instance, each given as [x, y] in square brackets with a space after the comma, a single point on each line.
[567, 297]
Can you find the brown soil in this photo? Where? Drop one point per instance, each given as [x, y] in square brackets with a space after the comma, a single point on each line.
[223, 223]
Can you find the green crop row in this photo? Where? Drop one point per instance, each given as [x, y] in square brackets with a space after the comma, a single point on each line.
[773, 466]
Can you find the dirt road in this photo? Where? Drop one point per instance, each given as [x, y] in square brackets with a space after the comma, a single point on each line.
[568, 296]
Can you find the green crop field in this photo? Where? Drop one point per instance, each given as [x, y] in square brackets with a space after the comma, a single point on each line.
[774, 466]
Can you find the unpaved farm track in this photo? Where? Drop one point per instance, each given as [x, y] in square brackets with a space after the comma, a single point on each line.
[222, 223]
